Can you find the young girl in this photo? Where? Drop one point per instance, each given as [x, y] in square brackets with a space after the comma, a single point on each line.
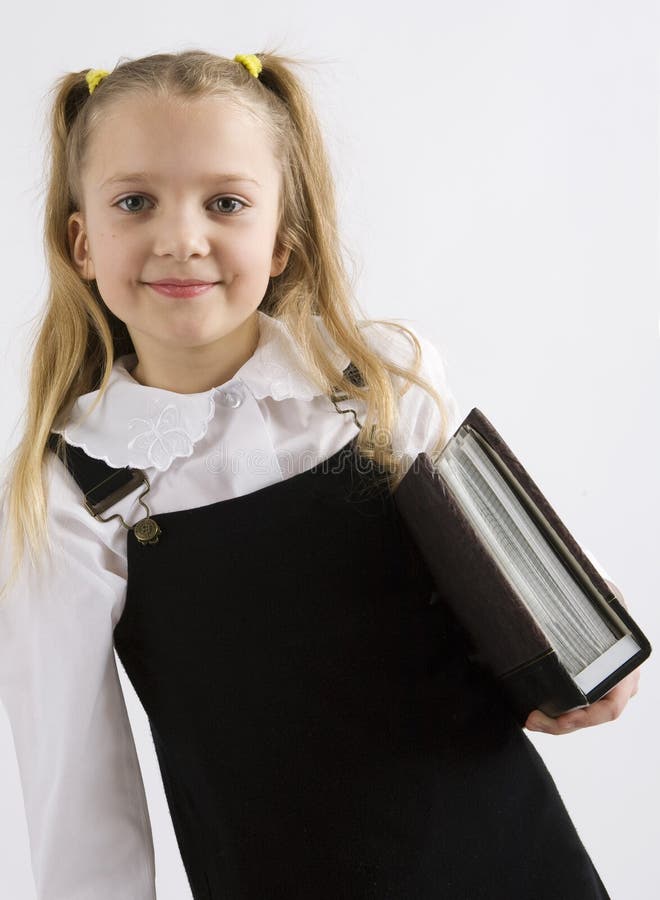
[219, 437]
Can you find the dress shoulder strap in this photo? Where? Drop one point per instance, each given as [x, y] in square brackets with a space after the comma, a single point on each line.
[103, 485]
[353, 374]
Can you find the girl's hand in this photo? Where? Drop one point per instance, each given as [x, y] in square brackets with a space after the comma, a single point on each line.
[606, 709]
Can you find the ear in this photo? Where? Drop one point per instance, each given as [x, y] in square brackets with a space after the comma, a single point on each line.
[280, 259]
[79, 246]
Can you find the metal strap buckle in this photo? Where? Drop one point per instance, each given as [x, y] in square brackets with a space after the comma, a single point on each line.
[137, 478]
[146, 530]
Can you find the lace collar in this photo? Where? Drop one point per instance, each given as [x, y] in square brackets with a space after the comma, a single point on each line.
[140, 426]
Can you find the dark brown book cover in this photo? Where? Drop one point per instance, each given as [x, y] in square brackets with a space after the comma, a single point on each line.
[505, 638]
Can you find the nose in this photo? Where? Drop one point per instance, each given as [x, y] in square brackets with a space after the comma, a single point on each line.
[181, 233]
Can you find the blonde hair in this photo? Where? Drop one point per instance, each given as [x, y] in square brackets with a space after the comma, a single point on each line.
[78, 337]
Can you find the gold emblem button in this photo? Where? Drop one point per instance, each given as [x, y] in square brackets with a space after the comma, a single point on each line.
[147, 531]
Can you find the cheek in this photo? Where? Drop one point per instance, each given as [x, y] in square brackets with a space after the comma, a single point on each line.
[120, 253]
[119, 260]
[251, 256]
[117, 277]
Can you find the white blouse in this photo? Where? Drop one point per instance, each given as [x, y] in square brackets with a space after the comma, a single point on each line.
[85, 805]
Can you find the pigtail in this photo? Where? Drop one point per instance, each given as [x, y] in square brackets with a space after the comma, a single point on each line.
[66, 353]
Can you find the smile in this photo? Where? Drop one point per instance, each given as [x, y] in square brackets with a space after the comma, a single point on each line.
[181, 290]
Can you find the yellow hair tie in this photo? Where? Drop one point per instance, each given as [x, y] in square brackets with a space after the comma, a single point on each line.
[93, 77]
[251, 62]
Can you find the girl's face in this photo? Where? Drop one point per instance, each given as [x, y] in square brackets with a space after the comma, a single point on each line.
[180, 190]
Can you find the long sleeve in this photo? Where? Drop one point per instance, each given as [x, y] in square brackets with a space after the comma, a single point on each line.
[427, 415]
[85, 805]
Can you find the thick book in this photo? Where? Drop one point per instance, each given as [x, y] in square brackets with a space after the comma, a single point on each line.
[537, 614]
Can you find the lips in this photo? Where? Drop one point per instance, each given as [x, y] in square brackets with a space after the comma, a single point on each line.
[181, 289]
[180, 281]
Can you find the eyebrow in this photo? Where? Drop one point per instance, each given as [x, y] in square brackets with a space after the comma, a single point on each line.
[145, 176]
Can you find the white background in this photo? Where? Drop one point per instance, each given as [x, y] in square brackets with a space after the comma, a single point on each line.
[497, 176]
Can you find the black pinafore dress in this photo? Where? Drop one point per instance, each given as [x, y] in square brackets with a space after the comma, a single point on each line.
[320, 729]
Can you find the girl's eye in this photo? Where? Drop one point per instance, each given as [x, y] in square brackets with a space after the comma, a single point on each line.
[230, 199]
[132, 197]
[140, 197]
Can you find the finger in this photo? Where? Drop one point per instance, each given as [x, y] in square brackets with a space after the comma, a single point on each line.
[608, 708]
[604, 710]
[539, 721]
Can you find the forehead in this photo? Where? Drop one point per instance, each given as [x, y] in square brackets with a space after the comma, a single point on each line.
[175, 137]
